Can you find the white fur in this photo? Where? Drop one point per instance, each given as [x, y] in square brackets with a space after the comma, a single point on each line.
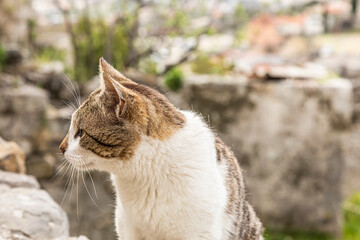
[172, 189]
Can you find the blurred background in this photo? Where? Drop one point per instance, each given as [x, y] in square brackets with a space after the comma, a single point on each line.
[278, 80]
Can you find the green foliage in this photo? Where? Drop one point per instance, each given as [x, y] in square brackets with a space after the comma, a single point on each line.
[240, 15]
[174, 79]
[92, 42]
[121, 46]
[352, 218]
[294, 235]
[49, 53]
[148, 66]
[31, 25]
[351, 228]
[211, 31]
[178, 22]
[90, 47]
[2, 57]
[203, 64]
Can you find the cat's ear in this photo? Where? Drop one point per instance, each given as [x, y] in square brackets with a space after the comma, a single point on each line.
[107, 70]
[116, 92]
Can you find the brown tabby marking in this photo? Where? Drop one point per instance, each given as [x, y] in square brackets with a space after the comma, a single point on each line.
[145, 112]
[247, 226]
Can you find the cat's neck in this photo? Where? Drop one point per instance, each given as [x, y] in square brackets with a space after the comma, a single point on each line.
[170, 161]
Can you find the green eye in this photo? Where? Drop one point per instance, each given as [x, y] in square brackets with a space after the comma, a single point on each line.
[79, 133]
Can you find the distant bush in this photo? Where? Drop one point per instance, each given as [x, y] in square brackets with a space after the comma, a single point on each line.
[2, 57]
[49, 53]
[91, 44]
[148, 66]
[352, 218]
[295, 235]
[351, 227]
[174, 79]
[203, 64]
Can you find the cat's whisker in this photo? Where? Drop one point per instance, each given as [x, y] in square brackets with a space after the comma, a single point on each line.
[71, 91]
[62, 166]
[97, 206]
[92, 182]
[70, 104]
[82, 175]
[73, 182]
[68, 165]
[77, 193]
[77, 94]
[66, 185]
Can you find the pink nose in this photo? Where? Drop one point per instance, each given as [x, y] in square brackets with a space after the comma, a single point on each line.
[63, 146]
[62, 149]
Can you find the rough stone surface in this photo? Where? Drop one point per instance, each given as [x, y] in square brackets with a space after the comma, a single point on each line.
[14, 17]
[22, 114]
[12, 157]
[28, 212]
[72, 238]
[287, 137]
[28, 118]
[14, 180]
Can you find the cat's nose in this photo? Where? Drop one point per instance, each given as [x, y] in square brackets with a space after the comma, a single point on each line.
[64, 144]
[62, 149]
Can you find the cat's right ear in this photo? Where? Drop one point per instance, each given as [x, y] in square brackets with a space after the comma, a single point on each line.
[107, 69]
[113, 89]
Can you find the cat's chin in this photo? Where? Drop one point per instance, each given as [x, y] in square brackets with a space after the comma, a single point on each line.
[84, 166]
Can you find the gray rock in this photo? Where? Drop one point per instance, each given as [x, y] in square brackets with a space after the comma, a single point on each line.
[287, 138]
[14, 180]
[72, 238]
[29, 213]
[8, 234]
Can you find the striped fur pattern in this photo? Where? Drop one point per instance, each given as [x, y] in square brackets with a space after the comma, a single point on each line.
[174, 179]
[246, 225]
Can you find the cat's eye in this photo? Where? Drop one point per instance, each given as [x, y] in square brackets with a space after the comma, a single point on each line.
[79, 133]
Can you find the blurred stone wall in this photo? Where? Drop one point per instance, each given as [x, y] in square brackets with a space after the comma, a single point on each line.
[33, 114]
[14, 20]
[287, 137]
[295, 139]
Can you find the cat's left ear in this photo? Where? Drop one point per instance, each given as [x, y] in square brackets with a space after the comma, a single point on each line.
[116, 92]
[107, 69]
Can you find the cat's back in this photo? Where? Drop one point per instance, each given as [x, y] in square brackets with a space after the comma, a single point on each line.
[240, 220]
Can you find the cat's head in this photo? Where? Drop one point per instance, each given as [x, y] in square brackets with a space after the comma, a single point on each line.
[109, 125]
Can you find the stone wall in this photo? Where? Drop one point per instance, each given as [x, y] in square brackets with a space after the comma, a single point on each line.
[287, 137]
[28, 116]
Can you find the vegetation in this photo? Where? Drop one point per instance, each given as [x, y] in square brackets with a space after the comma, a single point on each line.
[49, 53]
[174, 79]
[89, 47]
[124, 43]
[2, 57]
[352, 218]
[295, 235]
[204, 64]
[351, 228]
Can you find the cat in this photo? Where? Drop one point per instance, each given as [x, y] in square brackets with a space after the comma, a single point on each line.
[174, 178]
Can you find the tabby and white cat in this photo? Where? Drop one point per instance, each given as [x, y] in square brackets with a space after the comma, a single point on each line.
[174, 178]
